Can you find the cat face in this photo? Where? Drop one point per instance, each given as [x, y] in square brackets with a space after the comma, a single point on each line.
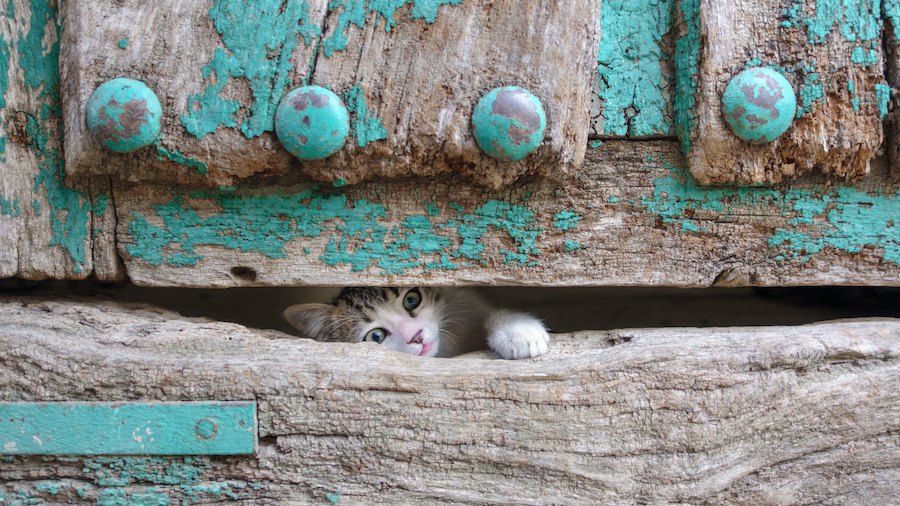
[403, 319]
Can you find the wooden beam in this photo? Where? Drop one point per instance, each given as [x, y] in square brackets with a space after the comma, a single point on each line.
[632, 216]
[756, 415]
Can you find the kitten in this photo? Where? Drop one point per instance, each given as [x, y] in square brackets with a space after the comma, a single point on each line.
[431, 322]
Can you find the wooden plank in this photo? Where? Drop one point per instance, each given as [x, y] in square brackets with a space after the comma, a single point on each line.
[761, 415]
[634, 216]
[410, 74]
[45, 222]
[127, 428]
[632, 94]
[891, 13]
[832, 54]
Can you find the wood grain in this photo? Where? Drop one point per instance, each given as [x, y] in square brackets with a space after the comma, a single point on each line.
[832, 55]
[765, 415]
[632, 216]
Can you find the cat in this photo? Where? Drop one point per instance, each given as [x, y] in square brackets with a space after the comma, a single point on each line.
[430, 322]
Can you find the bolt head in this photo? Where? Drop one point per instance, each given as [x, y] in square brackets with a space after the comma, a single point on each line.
[312, 123]
[124, 115]
[206, 428]
[508, 123]
[759, 105]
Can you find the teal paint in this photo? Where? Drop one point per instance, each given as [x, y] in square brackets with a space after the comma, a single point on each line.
[339, 183]
[4, 86]
[49, 487]
[630, 67]
[854, 101]
[566, 220]
[36, 205]
[432, 209]
[266, 223]
[9, 207]
[356, 12]
[259, 38]
[39, 65]
[123, 43]
[124, 115]
[859, 22]
[883, 94]
[595, 144]
[73, 428]
[11, 9]
[366, 128]
[845, 218]
[687, 64]
[572, 246]
[181, 159]
[154, 481]
[508, 123]
[101, 204]
[312, 123]
[333, 498]
[759, 105]
[68, 210]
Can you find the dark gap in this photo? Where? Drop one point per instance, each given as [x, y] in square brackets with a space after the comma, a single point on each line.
[562, 309]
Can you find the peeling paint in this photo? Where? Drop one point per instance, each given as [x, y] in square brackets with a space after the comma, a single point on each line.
[366, 128]
[179, 158]
[566, 220]
[259, 39]
[69, 210]
[845, 218]
[445, 239]
[356, 12]
[630, 68]
[687, 64]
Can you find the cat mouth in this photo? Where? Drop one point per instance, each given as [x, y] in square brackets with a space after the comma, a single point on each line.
[426, 347]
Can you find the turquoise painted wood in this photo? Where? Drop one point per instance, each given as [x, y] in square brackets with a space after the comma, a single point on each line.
[127, 428]
[124, 115]
[759, 105]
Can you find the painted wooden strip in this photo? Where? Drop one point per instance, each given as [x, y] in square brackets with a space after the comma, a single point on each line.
[138, 428]
[635, 71]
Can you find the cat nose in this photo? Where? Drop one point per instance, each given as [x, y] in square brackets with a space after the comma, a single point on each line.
[417, 338]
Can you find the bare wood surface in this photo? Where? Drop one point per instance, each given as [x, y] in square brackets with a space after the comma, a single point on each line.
[764, 415]
[414, 75]
[835, 62]
[631, 216]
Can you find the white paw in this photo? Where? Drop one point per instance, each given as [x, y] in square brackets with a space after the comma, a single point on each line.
[524, 338]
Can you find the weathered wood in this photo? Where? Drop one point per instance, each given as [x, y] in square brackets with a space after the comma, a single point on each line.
[703, 416]
[891, 14]
[45, 223]
[832, 54]
[633, 216]
[632, 95]
[410, 74]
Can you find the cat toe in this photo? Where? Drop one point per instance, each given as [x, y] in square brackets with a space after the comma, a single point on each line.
[520, 341]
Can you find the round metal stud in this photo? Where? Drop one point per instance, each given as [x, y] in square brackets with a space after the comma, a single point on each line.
[509, 123]
[312, 123]
[206, 428]
[124, 115]
[759, 105]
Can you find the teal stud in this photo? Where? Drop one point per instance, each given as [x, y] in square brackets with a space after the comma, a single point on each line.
[124, 115]
[206, 428]
[312, 123]
[759, 105]
[509, 123]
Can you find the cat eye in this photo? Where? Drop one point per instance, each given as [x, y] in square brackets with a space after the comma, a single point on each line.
[375, 335]
[412, 299]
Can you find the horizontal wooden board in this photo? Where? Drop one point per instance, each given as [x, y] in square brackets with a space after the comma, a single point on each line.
[127, 428]
[632, 216]
[763, 415]
[410, 74]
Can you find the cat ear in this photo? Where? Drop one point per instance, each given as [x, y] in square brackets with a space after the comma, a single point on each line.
[312, 320]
